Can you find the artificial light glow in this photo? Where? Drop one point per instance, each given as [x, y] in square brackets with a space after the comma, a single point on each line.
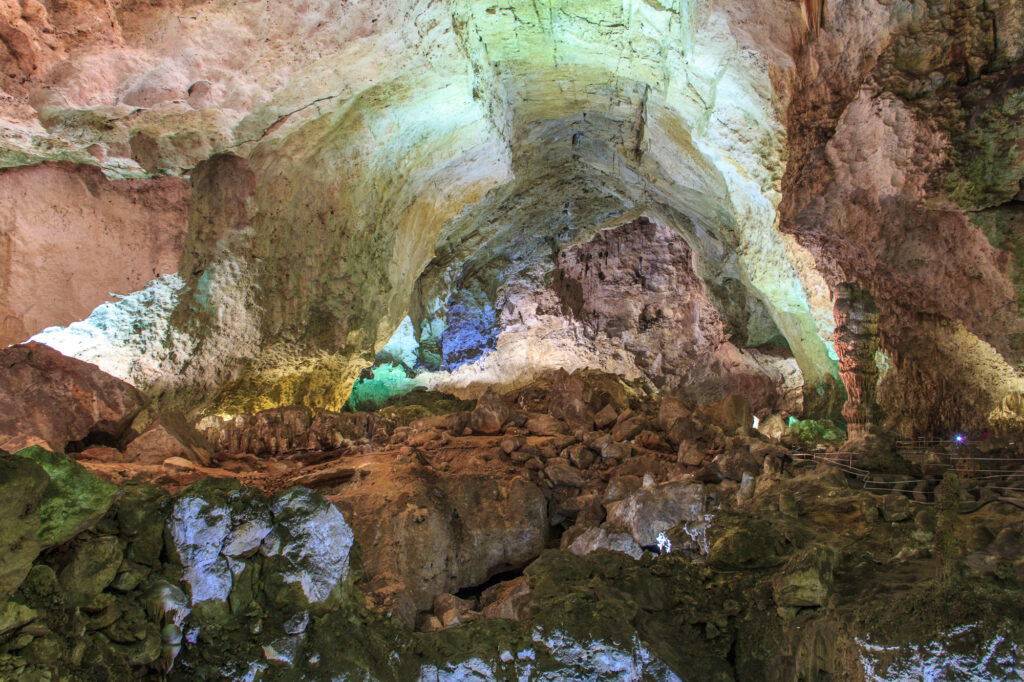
[959, 438]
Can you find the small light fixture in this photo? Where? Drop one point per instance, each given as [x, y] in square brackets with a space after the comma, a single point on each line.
[959, 438]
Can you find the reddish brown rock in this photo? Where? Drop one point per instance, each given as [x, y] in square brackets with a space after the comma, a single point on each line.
[856, 343]
[428, 534]
[730, 413]
[670, 410]
[506, 599]
[490, 413]
[626, 429]
[561, 472]
[546, 425]
[70, 237]
[689, 454]
[46, 397]
[103, 454]
[606, 417]
[169, 436]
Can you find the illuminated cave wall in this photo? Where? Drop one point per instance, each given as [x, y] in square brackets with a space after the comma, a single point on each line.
[356, 164]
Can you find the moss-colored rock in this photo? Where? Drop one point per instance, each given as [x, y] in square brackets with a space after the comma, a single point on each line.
[73, 500]
[93, 565]
[141, 517]
[22, 483]
[809, 433]
[14, 615]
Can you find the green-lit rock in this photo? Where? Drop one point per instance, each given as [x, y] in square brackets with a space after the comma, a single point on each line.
[73, 500]
[21, 488]
[809, 433]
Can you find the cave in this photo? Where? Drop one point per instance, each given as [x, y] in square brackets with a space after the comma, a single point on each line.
[565, 340]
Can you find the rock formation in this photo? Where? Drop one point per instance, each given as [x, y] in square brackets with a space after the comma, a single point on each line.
[856, 345]
[426, 340]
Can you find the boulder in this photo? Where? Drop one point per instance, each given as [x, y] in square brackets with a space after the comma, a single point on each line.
[169, 436]
[689, 454]
[626, 429]
[490, 413]
[546, 425]
[773, 426]
[730, 414]
[49, 399]
[560, 472]
[507, 599]
[594, 539]
[616, 452]
[670, 410]
[732, 465]
[22, 483]
[569, 399]
[806, 580]
[655, 509]
[580, 455]
[73, 500]
[606, 416]
[92, 567]
[620, 487]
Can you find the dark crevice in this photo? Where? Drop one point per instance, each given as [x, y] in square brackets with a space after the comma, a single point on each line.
[474, 591]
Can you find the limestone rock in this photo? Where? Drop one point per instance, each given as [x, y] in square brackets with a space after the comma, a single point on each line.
[92, 567]
[689, 454]
[658, 508]
[310, 541]
[489, 415]
[22, 483]
[560, 472]
[626, 428]
[806, 580]
[734, 464]
[49, 399]
[730, 414]
[73, 499]
[606, 417]
[169, 435]
[135, 228]
[507, 599]
[670, 410]
[14, 615]
[546, 425]
[594, 539]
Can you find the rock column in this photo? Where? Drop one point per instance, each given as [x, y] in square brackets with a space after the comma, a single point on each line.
[856, 342]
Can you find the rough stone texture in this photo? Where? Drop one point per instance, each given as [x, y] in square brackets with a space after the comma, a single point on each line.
[22, 482]
[169, 435]
[889, 152]
[856, 344]
[69, 237]
[73, 500]
[49, 399]
[656, 509]
[431, 534]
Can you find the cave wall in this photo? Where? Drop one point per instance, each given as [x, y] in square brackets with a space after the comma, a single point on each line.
[394, 155]
[69, 237]
[904, 141]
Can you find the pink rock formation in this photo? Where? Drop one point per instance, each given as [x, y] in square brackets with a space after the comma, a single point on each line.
[52, 400]
[69, 237]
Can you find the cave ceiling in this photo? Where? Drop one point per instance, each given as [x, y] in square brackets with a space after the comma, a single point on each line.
[356, 165]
